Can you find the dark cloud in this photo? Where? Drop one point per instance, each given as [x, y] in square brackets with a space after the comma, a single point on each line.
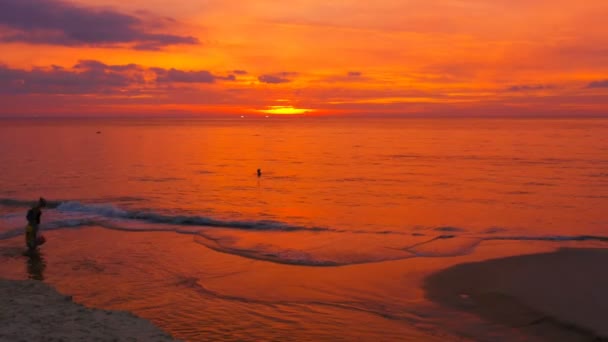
[354, 74]
[281, 77]
[93, 64]
[174, 75]
[529, 87]
[227, 78]
[85, 77]
[272, 79]
[193, 76]
[598, 84]
[58, 22]
[90, 76]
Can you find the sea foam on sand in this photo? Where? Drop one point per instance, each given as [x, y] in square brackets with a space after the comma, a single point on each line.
[33, 311]
[557, 296]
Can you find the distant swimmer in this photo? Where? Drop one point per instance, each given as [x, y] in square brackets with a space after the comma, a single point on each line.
[259, 172]
[32, 239]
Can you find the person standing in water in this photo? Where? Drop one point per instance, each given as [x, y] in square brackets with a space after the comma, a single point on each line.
[32, 240]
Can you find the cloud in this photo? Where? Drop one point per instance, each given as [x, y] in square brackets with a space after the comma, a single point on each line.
[57, 22]
[226, 78]
[240, 72]
[193, 76]
[529, 87]
[92, 77]
[85, 77]
[93, 64]
[281, 77]
[174, 75]
[272, 79]
[348, 77]
[598, 84]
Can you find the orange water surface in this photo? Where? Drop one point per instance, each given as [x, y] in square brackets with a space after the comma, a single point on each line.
[168, 218]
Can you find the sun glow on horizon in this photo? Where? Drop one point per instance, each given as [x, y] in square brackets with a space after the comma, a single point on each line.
[285, 110]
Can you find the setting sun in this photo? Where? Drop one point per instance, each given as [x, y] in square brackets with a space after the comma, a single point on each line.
[284, 110]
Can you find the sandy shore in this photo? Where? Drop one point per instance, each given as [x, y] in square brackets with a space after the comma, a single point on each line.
[559, 296]
[33, 311]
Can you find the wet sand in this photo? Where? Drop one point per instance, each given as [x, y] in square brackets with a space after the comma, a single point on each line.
[34, 311]
[559, 296]
[196, 293]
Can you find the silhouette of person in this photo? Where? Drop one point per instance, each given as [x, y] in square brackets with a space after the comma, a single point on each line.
[259, 172]
[32, 240]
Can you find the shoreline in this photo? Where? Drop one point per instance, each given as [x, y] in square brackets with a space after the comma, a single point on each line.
[35, 311]
[548, 296]
[194, 293]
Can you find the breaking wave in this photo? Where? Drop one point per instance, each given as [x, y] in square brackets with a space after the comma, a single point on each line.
[225, 236]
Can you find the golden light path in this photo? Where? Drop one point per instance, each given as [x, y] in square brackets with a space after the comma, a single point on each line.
[284, 110]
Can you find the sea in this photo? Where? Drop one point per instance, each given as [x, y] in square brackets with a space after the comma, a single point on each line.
[169, 219]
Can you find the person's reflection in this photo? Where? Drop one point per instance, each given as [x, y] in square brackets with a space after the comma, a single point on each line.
[35, 266]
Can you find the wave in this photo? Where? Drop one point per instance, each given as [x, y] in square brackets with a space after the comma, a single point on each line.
[63, 224]
[72, 214]
[461, 246]
[553, 238]
[11, 202]
[277, 254]
[443, 241]
[465, 246]
[111, 211]
[286, 256]
[53, 204]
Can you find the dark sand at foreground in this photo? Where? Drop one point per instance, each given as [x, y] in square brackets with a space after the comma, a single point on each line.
[559, 296]
[33, 311]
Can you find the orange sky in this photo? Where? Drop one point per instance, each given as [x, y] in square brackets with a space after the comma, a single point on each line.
[384, 57]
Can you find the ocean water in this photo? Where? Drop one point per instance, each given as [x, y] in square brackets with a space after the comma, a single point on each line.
[168, 218]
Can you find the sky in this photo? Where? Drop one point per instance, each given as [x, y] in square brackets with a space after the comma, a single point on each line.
[310, 57]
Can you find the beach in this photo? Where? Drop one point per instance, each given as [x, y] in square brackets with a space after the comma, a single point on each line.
[198, 294]
[34, 311]
[557, 296]
[195, 293]
[537, 296]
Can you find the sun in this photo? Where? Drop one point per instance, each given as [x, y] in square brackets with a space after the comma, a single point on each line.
[284, 110]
